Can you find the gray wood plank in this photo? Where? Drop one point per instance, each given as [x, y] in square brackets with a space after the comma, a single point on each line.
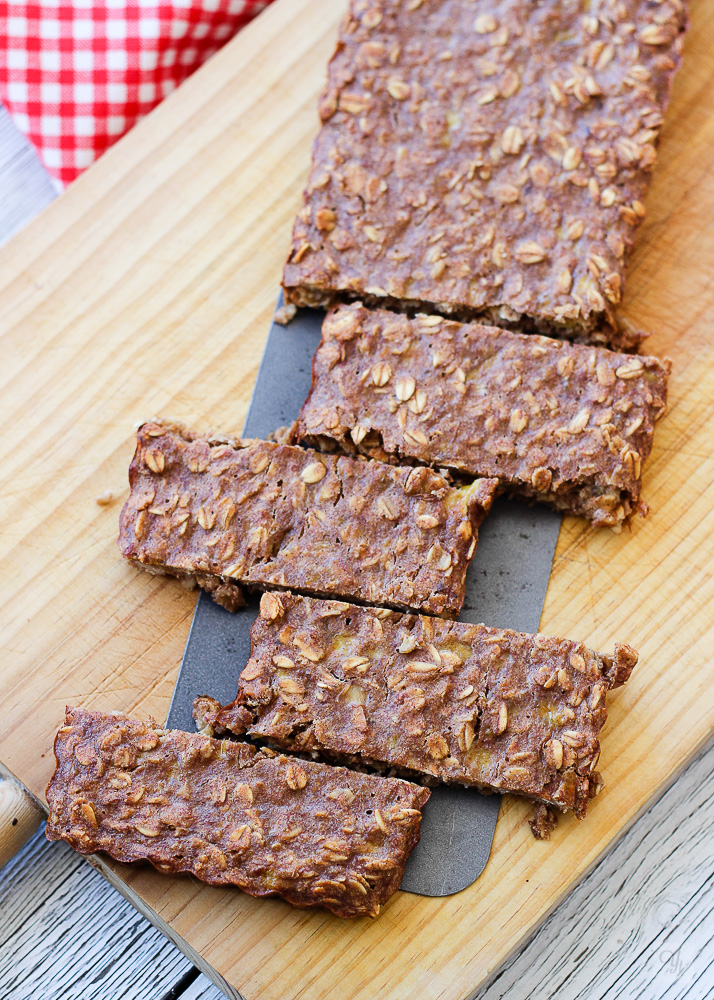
[65, 934]
[203, 989]
[642, 923]
[25, 186]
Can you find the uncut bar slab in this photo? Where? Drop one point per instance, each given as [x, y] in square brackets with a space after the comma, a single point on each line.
[486, 160]
[564, 423]
[460, 703]
[230, 815]
[227, 512]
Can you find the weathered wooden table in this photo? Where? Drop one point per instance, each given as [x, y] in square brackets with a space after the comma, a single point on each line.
[641, 924]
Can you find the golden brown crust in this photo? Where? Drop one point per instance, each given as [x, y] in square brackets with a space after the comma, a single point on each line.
[230, 815]
[456, 173]
[567, 424]
[460, 703]
[227, 512]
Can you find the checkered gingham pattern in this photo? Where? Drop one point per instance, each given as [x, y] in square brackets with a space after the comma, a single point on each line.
[77, 75]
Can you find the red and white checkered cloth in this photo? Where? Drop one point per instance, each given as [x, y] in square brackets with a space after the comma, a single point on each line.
[77, 75]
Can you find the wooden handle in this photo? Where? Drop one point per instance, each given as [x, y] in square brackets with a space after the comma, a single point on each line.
[20, 816]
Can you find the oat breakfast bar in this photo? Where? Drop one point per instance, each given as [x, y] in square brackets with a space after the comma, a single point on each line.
[486, 159]
[226, 513]
[564, 423]
[231, 815]
[460, 703]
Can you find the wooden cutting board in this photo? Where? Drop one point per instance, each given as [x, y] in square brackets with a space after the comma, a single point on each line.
[148, 288]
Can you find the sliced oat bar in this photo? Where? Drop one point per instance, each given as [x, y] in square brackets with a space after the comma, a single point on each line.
[564, 423]
[486, 159]
[228, 512]
[461, 703]
[231, 815]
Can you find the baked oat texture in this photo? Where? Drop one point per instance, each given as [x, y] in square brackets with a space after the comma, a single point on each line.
[567, 424]
[487, 159]
[230, 815]
[227, 512]
[459, 703]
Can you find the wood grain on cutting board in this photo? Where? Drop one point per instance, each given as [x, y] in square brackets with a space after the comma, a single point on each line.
[148, 288]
